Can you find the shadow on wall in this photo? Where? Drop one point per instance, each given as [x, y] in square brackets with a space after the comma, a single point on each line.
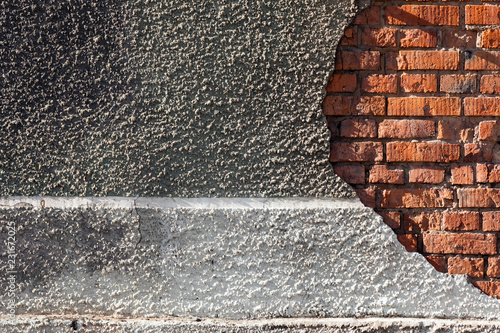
[412, 107]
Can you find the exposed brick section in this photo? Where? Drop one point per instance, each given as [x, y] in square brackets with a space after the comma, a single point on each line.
[356, 151]
[358, 128]
[491, 221]
[474, 267]
[413, 107]
[482, 15]
[426, 175]
[407, 129]
[439, 263]
[462, 175]
[490, 84]
[493, 267]
[376, 83]
[382, 174]
[423, 106]
[482, 60]
[488, 130]
[459, 39]
[420, 60]
[378, 37]
[342, 83]
[353, 174]
[463, 221]
[410, 242]
[392, 219]
[458, 84]
[490, 39]
[419, 83]
[422, 15]
[482, 106]
[422, 152]
[417, 198]
[418, 38]
[489, 288]
[479, 197]
[361, 60]
[417, 222]
[466, 243]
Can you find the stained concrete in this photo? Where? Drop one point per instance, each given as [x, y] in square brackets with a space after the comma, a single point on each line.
[167, 98]
[179, 257]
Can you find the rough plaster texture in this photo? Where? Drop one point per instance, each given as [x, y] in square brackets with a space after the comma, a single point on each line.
[301, 325]
[167, 98]
[160, 258]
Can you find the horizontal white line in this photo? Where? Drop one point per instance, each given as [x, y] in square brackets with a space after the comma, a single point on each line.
[194, 203]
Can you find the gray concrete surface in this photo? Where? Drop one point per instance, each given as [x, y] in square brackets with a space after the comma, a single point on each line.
[167, 98]
[188, 257]
[300, 325]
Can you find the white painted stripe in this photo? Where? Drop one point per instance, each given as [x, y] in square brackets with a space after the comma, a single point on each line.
[194, 203]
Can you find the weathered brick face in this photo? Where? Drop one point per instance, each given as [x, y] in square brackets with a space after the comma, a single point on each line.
[412, 106]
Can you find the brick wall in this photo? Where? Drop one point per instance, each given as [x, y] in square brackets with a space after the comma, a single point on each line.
[412, 106]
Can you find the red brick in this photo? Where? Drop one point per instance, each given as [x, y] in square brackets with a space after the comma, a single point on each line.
[418, 222]
[490, 39]
[422, 15]
[458, 39]
[351, 106]
[410, 242]
[458, 84]
[382, 174]
[350, 37]
[493, 267]
[356, 152]
[367, 196]
[488, 130]
[474, 267]
[464, 243]
[439, 263]
[351, 174]
[455, 129]
[491, 221]
[406, 129]
[462, 175]
[377, 83]
[418, 38]
[479, 197]
[360, 60]
[482, 173]
[358, 128]
[461, 221]
[422, 60]
[417, 198]
[422, 152]
[423, 106]
[490, 84]
[482, 106]
[370, 16]
[426, 175]
[482, 60]
[489, 288]
[482, 15]
[419, 83]
[478, 152]
[342, 83]
[380, 37]
[392, 219]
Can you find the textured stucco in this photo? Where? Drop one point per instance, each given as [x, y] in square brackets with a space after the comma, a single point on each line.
[167, 98]
[150, 260]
